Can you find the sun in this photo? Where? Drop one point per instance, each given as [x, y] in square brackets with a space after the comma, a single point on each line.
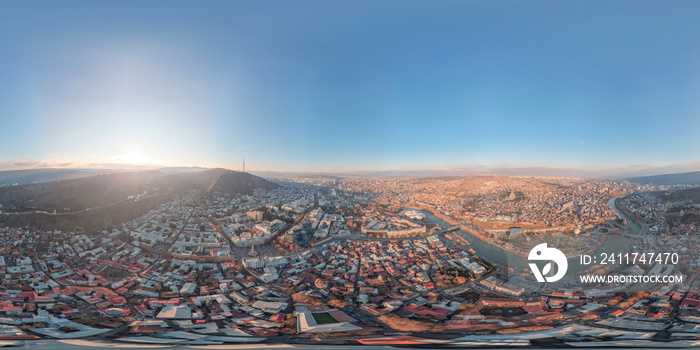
[135, 158]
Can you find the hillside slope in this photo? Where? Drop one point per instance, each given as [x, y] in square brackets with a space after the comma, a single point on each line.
[690, 178]
[112, 198]
[28, 176]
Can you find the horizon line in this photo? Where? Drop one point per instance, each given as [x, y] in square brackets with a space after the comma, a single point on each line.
[623, 172]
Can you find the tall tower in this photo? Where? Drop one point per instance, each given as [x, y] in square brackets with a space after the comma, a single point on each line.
[244, 164]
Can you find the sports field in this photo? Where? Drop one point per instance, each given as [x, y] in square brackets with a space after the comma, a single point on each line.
[323, 318]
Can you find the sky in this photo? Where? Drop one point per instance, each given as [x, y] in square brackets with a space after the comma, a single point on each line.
[575, 87]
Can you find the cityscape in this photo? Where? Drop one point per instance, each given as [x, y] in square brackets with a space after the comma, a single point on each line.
[376, 174]
[357, 260]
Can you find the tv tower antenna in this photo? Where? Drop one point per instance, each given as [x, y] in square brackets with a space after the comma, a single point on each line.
[244, 164]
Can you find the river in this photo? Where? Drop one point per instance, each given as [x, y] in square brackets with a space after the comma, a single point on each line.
[613, 244]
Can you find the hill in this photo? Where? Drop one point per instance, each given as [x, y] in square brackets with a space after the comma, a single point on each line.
[215, 180]
[690, 178]
[691, 195]
[114, 198]
[479, 185]
[174, 170]
[28, 176]
[232, 182]
[682, 206]
[109, 189]
[77, 194]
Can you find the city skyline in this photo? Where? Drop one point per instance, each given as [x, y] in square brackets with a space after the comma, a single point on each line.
[461, 87]
[311, 174]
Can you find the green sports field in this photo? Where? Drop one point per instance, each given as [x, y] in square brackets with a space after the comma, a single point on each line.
[323, 318]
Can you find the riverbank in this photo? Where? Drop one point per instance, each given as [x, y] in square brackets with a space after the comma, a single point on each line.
[641, 223]
[632, 215]
[486, 246]
[486, 235]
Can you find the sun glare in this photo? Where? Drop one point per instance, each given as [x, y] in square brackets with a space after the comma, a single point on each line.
[135, 158]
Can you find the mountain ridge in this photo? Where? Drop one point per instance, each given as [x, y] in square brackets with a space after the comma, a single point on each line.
[686, 178]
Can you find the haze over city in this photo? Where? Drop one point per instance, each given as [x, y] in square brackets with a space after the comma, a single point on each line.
[344, 174]
[551, 87]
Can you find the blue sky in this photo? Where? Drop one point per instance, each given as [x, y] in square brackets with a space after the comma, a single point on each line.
[597, 86]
